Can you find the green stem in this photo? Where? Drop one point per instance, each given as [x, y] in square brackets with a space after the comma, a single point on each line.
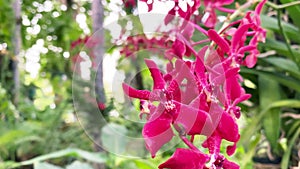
[188, 143]
[239, 11]
[287, 41]
[282, 6]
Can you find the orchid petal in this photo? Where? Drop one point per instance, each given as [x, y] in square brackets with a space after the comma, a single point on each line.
[139, 94]
[231, 149]
[228, 129]
[244, 49]
[185, 159]
[179, 48]
[240, 32]
[230, 165]
[214, 36]
[157, 132]
[260, 6]
[251, 59]
[241, 99]
[193, 120]
[175, 90]
[232, 88]
[157, 77]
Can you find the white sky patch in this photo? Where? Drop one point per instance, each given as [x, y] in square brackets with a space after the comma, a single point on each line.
[117, 90]
[111, 20]
[153, 19]
[55, 49]
[63, 7]
[55, 14]
[85, 66]
[81, 20]
[114, 113]
[183, 5]
[25, 20]
[52, 106]
[48, 6]
[112, 77]
[66, 55]
[3, 46]
[32, 56]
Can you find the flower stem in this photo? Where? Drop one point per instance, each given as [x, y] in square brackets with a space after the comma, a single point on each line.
[282, 6]
[200, 42]
[286, 39]
[188, 143]
[236, 14]
[200, 29]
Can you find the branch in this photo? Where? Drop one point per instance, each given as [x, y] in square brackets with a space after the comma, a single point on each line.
[282, 6]
[287, 41]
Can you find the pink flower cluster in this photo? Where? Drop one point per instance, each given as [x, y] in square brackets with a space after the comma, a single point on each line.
[141, 42]
[198, 96]
[209, 16]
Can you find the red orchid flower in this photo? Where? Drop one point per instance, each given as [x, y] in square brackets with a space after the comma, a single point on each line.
[185, 159]
[200, 96]
[157, 131]
[210, 17]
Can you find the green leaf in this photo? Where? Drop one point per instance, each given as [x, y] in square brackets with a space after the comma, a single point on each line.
[270, 23]
[284, 64]
[251, 149]
[255, 123]
[280, 78]
[113, 137]
[11, 137]
[279, 47]
[144, 164]
[293, 128]
[269, 92]
[45, 165]
[93, 157]
[79, 165]
[8, 165]
[286, 156]
[294, 12]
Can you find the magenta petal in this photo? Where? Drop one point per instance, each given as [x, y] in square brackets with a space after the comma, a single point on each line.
[179, 48]
[251, 59]
[139, 94]
[231, 149]
[230, 165]
[170, 16]
[188, 31]
[240, 32]
[232, 72]
[214, 36]
[157, 132]
[184, 14]
[158, 79]
[193, 120]
[191, 92]
[228, 129]
[241, 99]
[260, 6]
[185, 159]
[244, 49]
[175, 90]
[199, 67]
[233, 88]
[211, 20]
